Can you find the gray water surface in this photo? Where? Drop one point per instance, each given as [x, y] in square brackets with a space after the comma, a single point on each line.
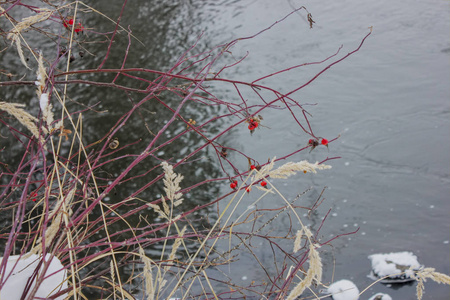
[390, 103]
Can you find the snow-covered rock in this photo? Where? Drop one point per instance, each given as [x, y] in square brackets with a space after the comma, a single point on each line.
[380, 296]
[19, 270]
[399, 266]
[343, 290]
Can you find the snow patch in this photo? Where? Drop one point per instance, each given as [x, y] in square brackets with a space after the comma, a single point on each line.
[343, 290]
[20, 270]
[43, 101]
[398, 266]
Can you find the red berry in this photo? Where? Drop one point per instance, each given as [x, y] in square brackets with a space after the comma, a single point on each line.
[252, 167]
[67, 22]
[252, 124]
[79, 28]
[34, 195]
[263, 183]
[324, 142]
[248, 189]
[233, 185]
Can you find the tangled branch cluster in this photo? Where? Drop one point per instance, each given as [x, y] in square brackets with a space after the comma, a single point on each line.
[58, 201]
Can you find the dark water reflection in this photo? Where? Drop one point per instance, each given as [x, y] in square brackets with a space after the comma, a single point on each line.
[167, 30]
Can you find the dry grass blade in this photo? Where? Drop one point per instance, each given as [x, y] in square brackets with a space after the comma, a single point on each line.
[15, 38]
[15, 34]
[29, 21]
[314, 273]
[175, 247]
[148, 276]
[428, 273]
[22, 116]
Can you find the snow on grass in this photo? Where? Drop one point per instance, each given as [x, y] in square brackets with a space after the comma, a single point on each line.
[20, 271]
[43, 101]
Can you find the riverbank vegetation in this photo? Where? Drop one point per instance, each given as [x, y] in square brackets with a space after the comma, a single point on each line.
[155, 206]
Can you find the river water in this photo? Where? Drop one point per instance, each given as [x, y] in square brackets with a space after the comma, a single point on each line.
[389, 102]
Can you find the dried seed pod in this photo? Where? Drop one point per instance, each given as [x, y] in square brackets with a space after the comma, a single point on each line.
[113, 144]
[223, 152]
[62, 51]
[313, 143]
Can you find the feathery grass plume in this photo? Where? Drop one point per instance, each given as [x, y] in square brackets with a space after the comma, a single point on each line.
[422, 275]
[291, 168]
[420, 287]
[175, 247]
[113, 277]
[307, 232]
[264, 171]
[47, 113]
[314, 273]
[40, 75]
[14, 35]
[44, 100]
[265, 190]
[315, 263]
[22, 116]
[298, 240]
[165, 206]
[172, 184]
[31, 20]
[156, 208]
[148, 276]
[16, 40]
[298, 237]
